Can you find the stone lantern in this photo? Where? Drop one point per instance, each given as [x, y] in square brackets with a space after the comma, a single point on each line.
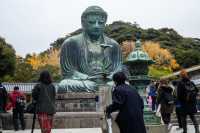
[137, 63]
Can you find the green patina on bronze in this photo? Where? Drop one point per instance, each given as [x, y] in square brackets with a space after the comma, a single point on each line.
[137, 63]
[89, 58]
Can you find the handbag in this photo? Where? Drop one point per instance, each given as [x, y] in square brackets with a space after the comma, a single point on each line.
[158, 114]
[31, 108]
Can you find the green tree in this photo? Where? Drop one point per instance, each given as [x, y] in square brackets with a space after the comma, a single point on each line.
[188, 58]
[157, 72]
[24, 71]
[7, 59]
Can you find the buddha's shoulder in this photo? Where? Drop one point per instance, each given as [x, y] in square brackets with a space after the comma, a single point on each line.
[110, 40]
[76, 39]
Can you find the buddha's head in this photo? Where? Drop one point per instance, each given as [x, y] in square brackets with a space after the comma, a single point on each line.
[93, 21]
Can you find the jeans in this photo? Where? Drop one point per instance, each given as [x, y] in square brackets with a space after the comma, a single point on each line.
[178, 115]
[18, 115]
[153, 103]
[184, 122]
[166, 117]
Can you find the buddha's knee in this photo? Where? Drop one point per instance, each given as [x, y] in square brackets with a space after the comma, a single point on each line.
[69, 85]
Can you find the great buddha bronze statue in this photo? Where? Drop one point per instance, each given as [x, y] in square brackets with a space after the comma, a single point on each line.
[90, 57]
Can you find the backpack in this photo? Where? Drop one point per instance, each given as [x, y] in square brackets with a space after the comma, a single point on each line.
[191, 92]
[20, 103]
[152, 91]
[168, 98]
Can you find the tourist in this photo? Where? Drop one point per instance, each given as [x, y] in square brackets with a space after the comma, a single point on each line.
[44, 94]
[166, 100]
[198, 103]
[187, 92]
[152, 94]
[177, 104]
[17, 99]
[3, 97]
[130, 105]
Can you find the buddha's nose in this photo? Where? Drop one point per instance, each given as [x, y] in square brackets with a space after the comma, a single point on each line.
[97, 24]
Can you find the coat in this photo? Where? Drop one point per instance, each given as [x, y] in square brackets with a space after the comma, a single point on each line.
[13, 97]
[130, 106]
[165, 108]
[44, 95]
[188, 108]
[3, 97]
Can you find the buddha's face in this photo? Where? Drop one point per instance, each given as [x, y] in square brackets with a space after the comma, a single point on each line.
[94, 25]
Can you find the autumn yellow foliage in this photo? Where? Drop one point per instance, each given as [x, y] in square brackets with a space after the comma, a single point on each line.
[49, 58]
[35, 61]
[52, 58]
[161, 56]
[127, 47]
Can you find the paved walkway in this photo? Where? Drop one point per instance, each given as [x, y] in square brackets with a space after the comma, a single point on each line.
[190, 129]
[74, 130]
[93, 130]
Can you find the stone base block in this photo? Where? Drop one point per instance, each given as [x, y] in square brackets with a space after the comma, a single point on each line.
[65, 120]
[84, 101]
[76, 102]
[61, 120]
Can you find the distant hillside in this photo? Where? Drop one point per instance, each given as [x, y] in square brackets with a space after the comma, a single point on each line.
[185, 50]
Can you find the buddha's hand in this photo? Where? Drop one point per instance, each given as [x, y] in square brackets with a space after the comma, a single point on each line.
[77, 75]
[95, 77]
[99, 75]
[110, 76]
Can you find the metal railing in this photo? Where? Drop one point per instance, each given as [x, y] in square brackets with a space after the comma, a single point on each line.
[24, 87]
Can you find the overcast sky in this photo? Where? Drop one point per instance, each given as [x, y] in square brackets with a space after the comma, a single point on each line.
[31, 25]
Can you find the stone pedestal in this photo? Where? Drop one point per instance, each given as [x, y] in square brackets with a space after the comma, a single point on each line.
[65, 120]
[76, 102]
[61, 120]
[84, 101]
[105, 97]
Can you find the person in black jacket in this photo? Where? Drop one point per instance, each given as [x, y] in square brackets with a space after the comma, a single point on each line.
[44, 94]
[3, 97]
[177, 104]
[130, 105]
[188, 103]
[166, 100]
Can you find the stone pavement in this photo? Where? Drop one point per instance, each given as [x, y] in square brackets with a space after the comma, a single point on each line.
[190, 129]
[74, 130]
[91, 130]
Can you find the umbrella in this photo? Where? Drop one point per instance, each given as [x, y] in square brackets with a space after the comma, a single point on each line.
[109, 122]
[34, 117]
